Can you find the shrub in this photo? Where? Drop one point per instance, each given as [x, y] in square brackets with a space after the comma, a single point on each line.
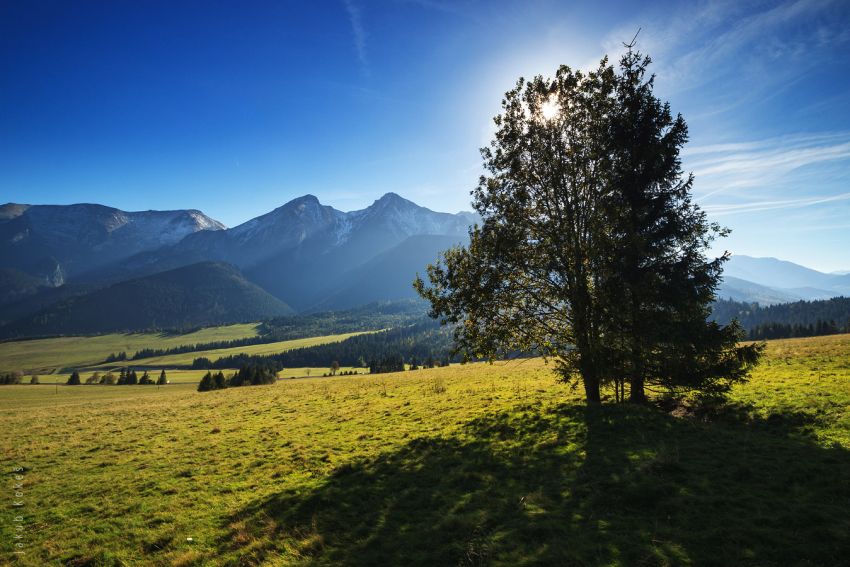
[11, 378]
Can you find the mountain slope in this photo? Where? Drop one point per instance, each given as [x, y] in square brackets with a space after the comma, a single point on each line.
[198, 295]
[745, 291]
[55, 242]
[299, 251]
[389, 275]
[783, 275]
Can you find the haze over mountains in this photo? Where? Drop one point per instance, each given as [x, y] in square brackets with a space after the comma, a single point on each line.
[769, 281]
[306, 255]
[63, 267]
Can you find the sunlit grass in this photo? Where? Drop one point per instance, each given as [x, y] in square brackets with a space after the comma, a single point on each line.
[51, 355]
[186, 359]
[476, 464]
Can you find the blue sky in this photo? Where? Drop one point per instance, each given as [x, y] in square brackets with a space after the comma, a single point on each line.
[235, 108]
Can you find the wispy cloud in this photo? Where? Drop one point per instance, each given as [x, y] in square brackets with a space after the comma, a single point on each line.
[695, 46]
[758, 206]
[359, 33]
[732, 167]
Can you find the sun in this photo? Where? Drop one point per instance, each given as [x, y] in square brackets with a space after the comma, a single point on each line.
[550, 108]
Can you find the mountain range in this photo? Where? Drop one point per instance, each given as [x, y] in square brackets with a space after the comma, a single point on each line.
[770, 281]
[59, 263]
[306, 255]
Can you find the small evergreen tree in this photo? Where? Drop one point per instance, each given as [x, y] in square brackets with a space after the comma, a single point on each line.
[34, 379]
[163, 380]
[74, 380]
[206, 383]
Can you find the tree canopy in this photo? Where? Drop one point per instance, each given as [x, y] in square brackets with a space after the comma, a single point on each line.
[591, 250]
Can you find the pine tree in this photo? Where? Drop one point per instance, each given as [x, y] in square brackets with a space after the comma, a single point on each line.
[74, 379]
[163, 380]
[206, 383]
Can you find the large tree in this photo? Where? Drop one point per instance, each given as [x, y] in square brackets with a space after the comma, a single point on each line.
[590, 250]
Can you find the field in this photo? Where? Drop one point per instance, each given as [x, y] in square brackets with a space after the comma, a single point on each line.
[46, 355]
[194, 376]
[466, 465]
[186, 359]
[49, 356]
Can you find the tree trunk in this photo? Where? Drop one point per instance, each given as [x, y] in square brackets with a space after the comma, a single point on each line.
[591, 390]
[636, 393]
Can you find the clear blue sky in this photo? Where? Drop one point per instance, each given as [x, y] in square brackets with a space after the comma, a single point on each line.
[236, 107]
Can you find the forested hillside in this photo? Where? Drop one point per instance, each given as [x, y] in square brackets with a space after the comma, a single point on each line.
[193, 296]
[798, 319]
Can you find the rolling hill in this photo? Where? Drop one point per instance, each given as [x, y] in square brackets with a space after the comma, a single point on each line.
[198, 295]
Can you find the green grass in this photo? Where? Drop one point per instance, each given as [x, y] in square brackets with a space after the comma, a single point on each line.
[50, 355]
[181, 376]
[186, 359]
[466, 465]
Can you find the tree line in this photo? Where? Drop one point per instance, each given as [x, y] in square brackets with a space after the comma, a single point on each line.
[413, 344]
[786, 320]
[249, 375]
[378, 315]
[371, 317]
[126, 377]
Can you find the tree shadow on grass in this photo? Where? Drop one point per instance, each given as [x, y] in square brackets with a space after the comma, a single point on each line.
[571, 485]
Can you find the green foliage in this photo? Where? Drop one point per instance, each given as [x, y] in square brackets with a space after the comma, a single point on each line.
[390, 363]
[74, 379]
[8, 378]
[212, 381]
[249, 375]
[371, 317]
[127, 377]
[420, 340]
[591, 250]
[201, 294]
[116, 357]
[786, 320]
[163, 379]
[34, 379]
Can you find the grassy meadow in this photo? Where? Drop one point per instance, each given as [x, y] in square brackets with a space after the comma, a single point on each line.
[60, 355]
[44, 356]
[185, 359]
[466, 465]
